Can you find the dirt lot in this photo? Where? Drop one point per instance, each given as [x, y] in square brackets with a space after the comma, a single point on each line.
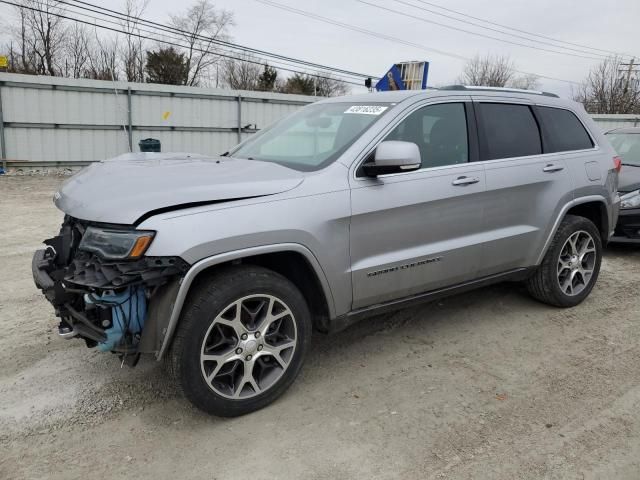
[485, 385]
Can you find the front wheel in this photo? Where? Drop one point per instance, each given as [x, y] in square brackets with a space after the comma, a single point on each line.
[241, 341]
[570, 267]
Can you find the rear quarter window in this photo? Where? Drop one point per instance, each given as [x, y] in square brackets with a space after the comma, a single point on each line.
[563, 130]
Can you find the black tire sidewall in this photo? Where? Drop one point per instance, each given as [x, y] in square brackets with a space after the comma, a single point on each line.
[205, 305]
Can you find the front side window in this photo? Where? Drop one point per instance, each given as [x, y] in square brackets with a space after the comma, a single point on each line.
[509, 131]
[312, 137]
[440, 131]
[565, 131]
[627, 145]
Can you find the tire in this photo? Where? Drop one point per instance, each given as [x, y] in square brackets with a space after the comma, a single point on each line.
[562, 279]
[219, 370]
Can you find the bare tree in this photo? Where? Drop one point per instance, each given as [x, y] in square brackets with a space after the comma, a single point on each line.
[609, 90]
[133, 55]
[78, 49]
[528, 81]
[496, 71]
[202, 26]
[103, 60]
[241, 74]
[321, 85]
[22, 58]
[488, 71]
[38, 37]
[327, 86]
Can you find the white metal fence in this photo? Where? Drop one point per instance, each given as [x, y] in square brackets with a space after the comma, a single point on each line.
[49, 119]
[64, 120]
[609, 122]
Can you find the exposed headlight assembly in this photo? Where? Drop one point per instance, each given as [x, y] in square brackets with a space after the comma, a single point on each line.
[630, 200]
[116, 244]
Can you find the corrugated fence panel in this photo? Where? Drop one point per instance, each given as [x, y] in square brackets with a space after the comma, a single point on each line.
[35, 105]
[184, 112]
[64, 145]
[205, 143]
[59, 119]
[609, 122]
[264, 114]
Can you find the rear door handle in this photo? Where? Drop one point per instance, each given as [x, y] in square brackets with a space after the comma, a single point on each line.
[552, 167]
[462, 181]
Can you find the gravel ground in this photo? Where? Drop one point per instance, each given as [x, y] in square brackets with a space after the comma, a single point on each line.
[485, 385]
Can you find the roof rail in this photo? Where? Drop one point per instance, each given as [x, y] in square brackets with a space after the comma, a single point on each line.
[497, 89]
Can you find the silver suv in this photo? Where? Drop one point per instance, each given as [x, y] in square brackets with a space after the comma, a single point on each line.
[348, 208]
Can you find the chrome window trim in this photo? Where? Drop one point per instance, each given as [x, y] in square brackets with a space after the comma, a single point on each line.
[523, 101]
[463, 99]
[541, 155]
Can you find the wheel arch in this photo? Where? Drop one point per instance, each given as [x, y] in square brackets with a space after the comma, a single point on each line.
[593, 207]
[294, 261]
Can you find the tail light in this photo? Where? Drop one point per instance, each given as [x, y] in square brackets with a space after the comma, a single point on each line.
[617, 163]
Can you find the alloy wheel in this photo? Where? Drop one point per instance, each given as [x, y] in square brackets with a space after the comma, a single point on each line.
[248, 346]
[576, 263]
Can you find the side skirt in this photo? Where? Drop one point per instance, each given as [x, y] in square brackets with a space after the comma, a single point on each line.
[343, 321]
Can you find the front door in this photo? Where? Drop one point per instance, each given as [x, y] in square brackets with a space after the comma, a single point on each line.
[418, 231]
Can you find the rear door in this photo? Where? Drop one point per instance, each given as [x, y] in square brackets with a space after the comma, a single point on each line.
[417, 231]
[526, 187]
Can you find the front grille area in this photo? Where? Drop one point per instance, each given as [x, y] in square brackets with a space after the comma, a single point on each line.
[89, 270]
[88, 292]
[84, 269]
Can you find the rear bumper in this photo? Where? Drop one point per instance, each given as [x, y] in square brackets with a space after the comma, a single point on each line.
[628, 227]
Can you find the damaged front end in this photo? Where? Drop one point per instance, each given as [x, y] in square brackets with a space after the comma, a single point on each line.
[101, 286]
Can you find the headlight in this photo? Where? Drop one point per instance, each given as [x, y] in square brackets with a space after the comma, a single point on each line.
[116, 244]
[630, 200]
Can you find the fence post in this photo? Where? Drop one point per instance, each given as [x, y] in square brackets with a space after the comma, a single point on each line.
[3, 147]
[129, 119]
[239, 118]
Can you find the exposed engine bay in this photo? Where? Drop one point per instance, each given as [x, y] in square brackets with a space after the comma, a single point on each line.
[103, 301]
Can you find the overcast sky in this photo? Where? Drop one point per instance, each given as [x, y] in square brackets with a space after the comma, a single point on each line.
[612, 25]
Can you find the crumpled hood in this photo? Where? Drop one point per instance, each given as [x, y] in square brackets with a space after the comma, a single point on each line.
[123, 189]
[629, 178]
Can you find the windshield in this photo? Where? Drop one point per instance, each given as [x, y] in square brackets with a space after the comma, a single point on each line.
[628, 147]
[313, 137]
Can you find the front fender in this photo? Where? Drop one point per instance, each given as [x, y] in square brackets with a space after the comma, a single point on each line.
[165, 321]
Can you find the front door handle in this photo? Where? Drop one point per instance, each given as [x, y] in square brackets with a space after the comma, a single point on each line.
[462, 181]
[552, 167]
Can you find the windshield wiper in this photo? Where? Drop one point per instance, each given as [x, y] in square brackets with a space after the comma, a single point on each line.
[631, 164]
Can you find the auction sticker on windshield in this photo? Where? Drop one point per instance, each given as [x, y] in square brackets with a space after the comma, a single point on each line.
[366, 109]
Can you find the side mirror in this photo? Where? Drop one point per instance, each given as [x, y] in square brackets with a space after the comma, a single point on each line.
[393, 157]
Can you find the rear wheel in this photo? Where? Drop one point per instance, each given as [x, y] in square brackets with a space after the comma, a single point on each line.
[570, 267]
[241, 341]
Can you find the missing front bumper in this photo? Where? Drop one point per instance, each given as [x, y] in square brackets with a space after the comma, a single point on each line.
[103, 302]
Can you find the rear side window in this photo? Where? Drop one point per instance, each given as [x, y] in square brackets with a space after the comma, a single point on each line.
[564, 130]
[508, 131]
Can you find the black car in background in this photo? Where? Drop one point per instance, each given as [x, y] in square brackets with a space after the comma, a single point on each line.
[626, 141]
